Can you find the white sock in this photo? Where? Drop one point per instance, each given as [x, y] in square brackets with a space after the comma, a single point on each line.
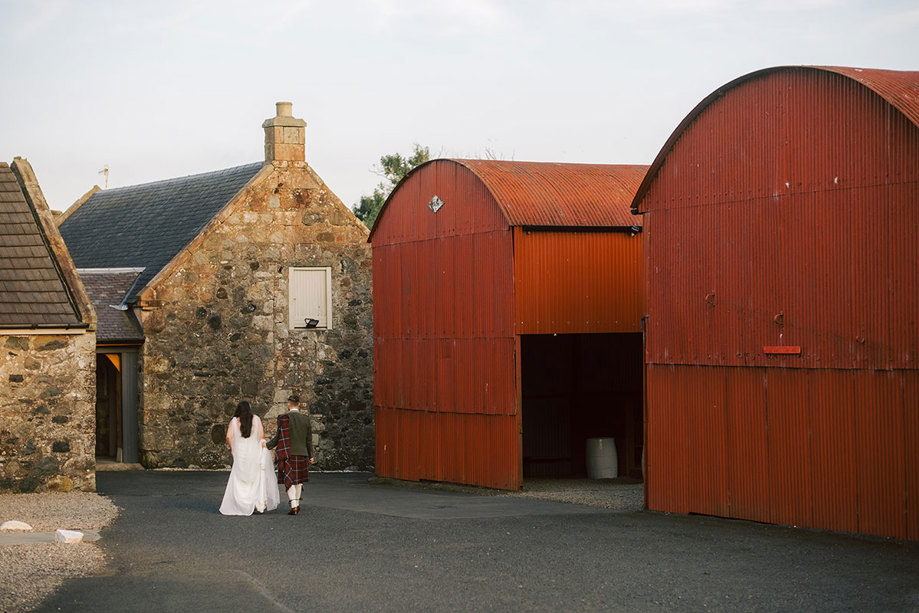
[293, 494]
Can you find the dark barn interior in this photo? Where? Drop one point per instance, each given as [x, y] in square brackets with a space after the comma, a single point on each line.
[575, 387]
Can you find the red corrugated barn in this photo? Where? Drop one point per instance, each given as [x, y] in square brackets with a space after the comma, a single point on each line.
[782, 342]
[507, 312]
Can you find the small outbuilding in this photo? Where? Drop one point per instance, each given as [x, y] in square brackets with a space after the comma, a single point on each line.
[48, 339]
[782, 302]
[507, 321]
[245, 283]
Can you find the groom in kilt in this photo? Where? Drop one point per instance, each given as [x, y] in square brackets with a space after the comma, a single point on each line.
[294, 442]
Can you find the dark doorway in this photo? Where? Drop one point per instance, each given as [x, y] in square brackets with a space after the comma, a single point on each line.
[116, 405]
[575, 387]
[108, 406]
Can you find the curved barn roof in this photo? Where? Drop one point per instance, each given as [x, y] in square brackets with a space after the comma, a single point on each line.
[550, 194]
[899, 88]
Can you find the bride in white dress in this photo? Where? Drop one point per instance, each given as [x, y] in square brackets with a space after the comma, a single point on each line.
[253, 485]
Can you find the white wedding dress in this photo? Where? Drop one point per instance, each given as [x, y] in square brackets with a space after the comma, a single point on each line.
[253, 485]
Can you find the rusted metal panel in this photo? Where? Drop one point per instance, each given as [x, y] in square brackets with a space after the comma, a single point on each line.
[554, 194]
[788, 449]
[819, 448]
[443, 334]
[417, 445]
[782, 295]
[545, 194]
[911, 448]
[446, 347]
[779, 248]
[880, 494]
[577, 282]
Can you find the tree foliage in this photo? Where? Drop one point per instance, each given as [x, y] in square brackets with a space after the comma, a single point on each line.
[392, 168]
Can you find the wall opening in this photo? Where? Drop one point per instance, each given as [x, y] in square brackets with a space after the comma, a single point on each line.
[575, 387]
[116, 405]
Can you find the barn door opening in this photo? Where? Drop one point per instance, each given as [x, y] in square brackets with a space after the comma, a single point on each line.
[116, 405]
[576, 387]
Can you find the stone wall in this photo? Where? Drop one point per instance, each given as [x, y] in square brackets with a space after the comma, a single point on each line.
[47, 412]
[219, 332]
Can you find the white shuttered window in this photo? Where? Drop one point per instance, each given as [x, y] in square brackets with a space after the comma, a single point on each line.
[310, 296]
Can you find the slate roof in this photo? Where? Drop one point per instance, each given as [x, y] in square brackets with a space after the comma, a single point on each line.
[145, 226]
[107, 288]
[33, 292]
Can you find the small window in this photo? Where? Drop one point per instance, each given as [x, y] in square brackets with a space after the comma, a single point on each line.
[310, 298]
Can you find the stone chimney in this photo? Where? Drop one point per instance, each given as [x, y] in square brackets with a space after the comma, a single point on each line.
[285, 136]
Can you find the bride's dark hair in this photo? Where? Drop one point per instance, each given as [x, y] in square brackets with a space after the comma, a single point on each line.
[244, 414]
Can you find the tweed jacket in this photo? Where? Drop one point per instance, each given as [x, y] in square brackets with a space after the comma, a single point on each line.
[300, 434]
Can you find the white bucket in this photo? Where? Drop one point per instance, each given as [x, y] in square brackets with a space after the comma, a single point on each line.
[602, 461]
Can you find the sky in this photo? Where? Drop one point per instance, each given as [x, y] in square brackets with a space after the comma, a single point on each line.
[163, 89]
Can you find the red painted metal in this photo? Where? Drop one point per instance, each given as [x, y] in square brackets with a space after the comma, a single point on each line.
[577, 282]
[450, 288]
[782, 296]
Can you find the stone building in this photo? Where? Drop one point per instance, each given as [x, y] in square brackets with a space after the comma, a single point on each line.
[47, 336]
[248, 283]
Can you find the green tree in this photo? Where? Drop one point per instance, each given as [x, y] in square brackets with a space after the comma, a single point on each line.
[392, 168]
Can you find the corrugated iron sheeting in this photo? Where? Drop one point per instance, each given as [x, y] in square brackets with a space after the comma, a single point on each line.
[524, 194]
[827, 449]
[577, 282]
[785, 215]
[556, 194]
[444, 362]
[898, 88]
[803, 235]
[421, 445]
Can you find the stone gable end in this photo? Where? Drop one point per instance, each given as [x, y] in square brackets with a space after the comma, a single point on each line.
[217, 327]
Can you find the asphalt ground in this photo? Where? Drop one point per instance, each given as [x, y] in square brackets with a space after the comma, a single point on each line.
[362, 546]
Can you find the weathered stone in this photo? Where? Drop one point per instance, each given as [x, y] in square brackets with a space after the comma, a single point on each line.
[52, 345]
[20, 343]
[29, 484]
[45, 467]
[60, 483]
[50, 392]
[53, 404]
[16, 378]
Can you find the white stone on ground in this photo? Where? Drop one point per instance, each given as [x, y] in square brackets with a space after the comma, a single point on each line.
[15, 526]
[68, 536]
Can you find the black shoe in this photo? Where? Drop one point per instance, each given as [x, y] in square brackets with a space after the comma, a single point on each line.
[294, 511]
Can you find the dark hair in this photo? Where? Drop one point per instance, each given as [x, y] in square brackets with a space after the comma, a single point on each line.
[294, 398]
[244, 414]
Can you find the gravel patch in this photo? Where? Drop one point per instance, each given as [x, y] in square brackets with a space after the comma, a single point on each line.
[605, 493]
[53, 510]
[29, 573]
[614, 494]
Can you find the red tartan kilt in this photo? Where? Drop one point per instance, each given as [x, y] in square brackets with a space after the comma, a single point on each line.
[293, 469]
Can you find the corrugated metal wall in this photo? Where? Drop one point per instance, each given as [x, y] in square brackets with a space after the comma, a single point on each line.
[824, 448]
[446, 345]
[786, 214]
[445, 367]
[577, 282]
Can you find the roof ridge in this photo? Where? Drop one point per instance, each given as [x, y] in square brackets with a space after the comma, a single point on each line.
[172, 180]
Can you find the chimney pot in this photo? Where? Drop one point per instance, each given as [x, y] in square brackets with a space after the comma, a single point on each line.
[285, 136]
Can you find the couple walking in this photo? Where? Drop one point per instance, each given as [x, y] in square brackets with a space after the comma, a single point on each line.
[253, 482]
